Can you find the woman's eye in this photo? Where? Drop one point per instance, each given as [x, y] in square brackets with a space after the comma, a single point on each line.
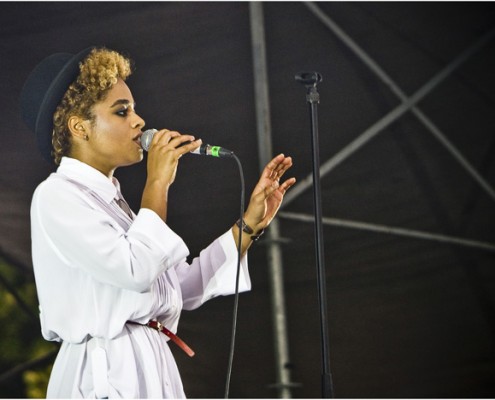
[123, 112]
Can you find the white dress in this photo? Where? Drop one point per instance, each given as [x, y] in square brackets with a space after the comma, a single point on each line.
[94, 273]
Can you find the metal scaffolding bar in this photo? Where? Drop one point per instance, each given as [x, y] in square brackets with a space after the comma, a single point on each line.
[391, 230]
[381, 124]
[281, 342]
[387, 80]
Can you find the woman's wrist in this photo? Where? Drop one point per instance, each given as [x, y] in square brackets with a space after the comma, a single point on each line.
[155, 197]
[252, 231]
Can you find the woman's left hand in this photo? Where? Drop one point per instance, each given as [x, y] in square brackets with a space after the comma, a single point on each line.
[268, 194]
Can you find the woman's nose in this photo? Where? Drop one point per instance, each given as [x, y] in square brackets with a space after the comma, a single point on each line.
[138, 122]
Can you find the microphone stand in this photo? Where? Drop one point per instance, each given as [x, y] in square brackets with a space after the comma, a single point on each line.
[310, 80]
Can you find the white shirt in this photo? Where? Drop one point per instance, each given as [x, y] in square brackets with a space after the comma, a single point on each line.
[93, 275]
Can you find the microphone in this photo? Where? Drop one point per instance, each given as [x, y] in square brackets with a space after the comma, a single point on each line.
[204, 149]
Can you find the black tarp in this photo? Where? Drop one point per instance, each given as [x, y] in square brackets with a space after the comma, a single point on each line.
[408, 317]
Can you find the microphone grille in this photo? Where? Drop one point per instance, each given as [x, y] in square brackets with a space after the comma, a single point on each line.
[147, 137]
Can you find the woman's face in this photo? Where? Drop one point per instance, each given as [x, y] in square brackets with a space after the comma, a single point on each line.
[114, 135]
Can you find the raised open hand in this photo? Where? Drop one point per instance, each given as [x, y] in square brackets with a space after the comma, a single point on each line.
[268, 193]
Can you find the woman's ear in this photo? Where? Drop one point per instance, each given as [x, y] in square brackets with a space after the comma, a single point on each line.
[78, 128]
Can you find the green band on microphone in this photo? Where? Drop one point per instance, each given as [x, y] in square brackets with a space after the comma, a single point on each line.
[215, 150]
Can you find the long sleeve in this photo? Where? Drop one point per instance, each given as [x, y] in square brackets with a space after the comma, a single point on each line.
[89, 268]
[213, 273]
[85, 237]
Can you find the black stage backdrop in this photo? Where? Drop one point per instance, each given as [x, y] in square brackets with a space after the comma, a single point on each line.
[408, 316]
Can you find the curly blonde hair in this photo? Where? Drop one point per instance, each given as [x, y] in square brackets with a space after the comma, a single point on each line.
[99, 72]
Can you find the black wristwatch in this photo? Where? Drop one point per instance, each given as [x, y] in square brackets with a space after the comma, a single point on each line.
[246, 228]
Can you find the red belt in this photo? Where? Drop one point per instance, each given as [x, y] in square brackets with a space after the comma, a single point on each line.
[173, 337]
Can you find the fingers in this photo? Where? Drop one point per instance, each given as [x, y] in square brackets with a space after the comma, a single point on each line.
[275, 186]
[166, 148]
[273, 171]
[173, 141]
[287, 185]
[184, 144]
[268, 194]
[163, 137]
[270, 178]
[277, 167]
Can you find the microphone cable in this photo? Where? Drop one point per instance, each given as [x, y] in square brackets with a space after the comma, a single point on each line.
[236, 296]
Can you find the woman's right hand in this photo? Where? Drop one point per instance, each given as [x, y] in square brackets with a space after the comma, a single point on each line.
[163, 158]
[164, 154]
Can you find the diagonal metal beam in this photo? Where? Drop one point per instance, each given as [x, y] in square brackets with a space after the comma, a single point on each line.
[389, 118]
[387, 80]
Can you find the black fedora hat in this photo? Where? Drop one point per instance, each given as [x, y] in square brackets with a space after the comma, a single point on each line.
[43, 91]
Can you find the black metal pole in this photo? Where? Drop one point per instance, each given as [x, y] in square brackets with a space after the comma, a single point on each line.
[310, 80]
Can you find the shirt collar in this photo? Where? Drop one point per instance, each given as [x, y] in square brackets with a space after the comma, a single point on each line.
[90, 177]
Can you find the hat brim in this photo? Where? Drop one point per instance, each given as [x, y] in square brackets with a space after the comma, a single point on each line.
[53, 96]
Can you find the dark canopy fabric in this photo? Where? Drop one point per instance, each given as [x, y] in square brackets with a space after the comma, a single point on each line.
[408, 316]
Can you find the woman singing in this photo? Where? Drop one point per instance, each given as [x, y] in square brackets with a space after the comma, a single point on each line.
[111, 282]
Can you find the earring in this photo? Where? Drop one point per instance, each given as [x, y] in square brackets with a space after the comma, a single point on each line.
[86, 137]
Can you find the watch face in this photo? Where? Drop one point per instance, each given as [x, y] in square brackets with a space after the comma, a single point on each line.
[245, 227]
